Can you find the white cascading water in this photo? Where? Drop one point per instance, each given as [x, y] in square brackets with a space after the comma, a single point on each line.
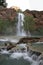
[4, 51]
[20, 30]
[25, 55]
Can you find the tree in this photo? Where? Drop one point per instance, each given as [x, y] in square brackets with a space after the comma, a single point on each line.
[3, 25]
[8, 26]
[19, 11]
[29, 24]
[3, 3]
[40, 30]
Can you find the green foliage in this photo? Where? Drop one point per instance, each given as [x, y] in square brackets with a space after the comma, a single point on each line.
[3, 25]
[19, 10]
[7, 26]
[13, 22]
[29, 24]
[40, 30]
[1, 1]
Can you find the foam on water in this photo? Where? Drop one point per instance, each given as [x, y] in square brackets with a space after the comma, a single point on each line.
[4, 51]
[21, 45]
[3, 40]
[35, 63]
[26, 57]
[16, 55]
[13, 40]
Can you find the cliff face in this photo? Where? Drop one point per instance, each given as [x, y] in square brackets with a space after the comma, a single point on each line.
[7, 13]
[38, 16]
[10, 13]
[8, 21]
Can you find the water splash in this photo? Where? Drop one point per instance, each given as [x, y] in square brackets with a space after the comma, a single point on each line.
[4, 51]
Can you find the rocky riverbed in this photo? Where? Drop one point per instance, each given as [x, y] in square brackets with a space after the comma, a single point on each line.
[31, 43]
[20, 51]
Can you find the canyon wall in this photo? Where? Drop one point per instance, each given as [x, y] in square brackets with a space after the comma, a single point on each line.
[7, 13]
[37, 15]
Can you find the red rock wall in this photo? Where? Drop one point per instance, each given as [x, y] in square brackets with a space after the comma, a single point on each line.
[38, 16]
[7, 13]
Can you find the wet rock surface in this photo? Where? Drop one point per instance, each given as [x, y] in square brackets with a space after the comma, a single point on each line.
[30, 39]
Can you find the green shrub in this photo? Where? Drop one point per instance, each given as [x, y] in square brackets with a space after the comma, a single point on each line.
[7, 27]
[29, 24]
[40, 30]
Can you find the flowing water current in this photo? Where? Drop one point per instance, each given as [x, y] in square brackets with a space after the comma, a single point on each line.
[19, 57]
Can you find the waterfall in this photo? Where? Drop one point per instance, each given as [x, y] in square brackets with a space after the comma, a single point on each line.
[20, 30]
